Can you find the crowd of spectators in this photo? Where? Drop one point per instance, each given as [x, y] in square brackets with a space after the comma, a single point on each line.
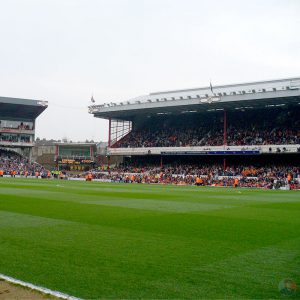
[272, 176]
[11, 163]
[213, 175]
[269, 127]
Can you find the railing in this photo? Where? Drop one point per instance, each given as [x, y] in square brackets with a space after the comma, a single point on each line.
[118, 129]
[204, 149]
[17, 143]
[16, 130]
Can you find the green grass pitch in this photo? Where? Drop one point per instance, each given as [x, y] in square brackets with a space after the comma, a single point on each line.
[100, 240]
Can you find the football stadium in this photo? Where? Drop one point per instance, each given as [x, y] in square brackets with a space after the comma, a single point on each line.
[197, 197]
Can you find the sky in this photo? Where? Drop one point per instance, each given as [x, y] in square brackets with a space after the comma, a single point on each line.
[65, 51]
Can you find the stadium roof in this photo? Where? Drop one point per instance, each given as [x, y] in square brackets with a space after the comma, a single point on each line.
[270, 93]
[21, 109]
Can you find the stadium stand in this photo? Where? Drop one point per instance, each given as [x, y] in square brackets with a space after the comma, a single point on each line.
[17, 136]
[12, 164]
[247, 132]
[256, 127]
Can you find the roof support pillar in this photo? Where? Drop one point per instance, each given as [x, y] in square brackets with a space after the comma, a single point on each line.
[225, 128]
[109, 132]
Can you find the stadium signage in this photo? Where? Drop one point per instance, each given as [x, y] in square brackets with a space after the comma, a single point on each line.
[210, 99]
[75, 161]
[225, 152]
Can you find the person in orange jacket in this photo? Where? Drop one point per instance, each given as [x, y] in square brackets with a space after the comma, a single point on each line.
[289, 178]
[236, 182]
[199, 181]
[89, 177]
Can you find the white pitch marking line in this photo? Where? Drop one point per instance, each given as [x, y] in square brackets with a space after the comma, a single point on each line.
[37, 288]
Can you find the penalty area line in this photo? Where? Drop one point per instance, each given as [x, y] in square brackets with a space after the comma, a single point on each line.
[37, 288]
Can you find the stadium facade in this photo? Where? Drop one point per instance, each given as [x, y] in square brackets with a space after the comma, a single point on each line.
[18, 123]
[227, 103]
[67, 155]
